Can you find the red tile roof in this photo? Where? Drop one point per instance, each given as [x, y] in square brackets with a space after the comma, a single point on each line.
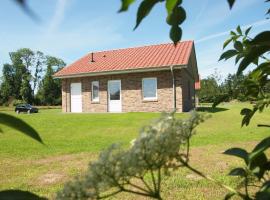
[145, 57]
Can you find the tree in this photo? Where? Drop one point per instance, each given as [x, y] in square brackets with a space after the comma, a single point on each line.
[23, 76]
[26, 90]
[7, 84]
[19, 71]
[209, 90]
[234, 87]
[50, 88]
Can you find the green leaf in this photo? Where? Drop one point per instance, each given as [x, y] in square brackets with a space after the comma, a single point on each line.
[175, 34]
[231, 3]
[228, 54]
[229, 196]
[238, 152]
[268, 12]
[227, 42]
[264, 68]
[19, 194]
[125, 5]
[238, 172]
[248, 30]
[233, 33]
[238, 46]
[219, 99]
[252, 56]
[262, 39]
[238, 57]
[265, 186]
[238, 29]
[19, 125]
[177, 17]
[259, 148]
[171, 4]
[144, 9]
[258, 165]
[262, 195]
[248, 114]
[27, 10]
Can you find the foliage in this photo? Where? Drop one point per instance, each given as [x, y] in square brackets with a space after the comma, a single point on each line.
[18, 194]
[160, 148]
[232, 88]
[176, 14]
[254, 51]
[50, 90]
[16, 102]
[112, 170]
[18, 124]
[23, 78]
[256, 172]
[251, 51]
[26, 90]
[209, 90]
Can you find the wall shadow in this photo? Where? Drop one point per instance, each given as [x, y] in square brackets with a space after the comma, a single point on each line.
[210, 109]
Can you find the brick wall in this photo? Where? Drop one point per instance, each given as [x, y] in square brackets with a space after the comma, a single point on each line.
[131, 91]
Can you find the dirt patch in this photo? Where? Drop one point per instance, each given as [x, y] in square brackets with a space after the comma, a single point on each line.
[50, 178]
[193, 177]
[66, 158]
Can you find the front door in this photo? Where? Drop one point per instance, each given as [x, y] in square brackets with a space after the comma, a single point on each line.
[76, 97]
[114, 96]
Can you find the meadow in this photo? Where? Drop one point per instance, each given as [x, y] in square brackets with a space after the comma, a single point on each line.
[74, 140]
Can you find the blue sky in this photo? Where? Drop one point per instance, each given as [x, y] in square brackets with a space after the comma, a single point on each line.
[70, 29]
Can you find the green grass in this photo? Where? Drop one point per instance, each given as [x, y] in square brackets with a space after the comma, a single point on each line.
[72, 140]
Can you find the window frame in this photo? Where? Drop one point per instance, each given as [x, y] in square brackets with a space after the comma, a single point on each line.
[92, 91]
[143, 89]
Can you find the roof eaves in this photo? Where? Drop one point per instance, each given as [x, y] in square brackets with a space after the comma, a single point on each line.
[127, 71]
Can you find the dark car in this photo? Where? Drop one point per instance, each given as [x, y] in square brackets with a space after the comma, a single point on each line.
[25, 108]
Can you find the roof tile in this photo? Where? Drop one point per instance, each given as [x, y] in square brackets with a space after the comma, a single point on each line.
[153, 56]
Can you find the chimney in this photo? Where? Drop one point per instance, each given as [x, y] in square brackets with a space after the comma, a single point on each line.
[92, 57]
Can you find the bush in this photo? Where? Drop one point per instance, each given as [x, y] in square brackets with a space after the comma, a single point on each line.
[16, 102]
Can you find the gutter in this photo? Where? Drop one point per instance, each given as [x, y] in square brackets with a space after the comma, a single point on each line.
[153, 69]
[174, 89]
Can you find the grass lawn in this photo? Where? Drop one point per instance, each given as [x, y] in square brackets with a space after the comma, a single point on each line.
[72, 140]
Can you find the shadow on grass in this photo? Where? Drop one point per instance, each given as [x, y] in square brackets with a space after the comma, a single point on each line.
[210, 109]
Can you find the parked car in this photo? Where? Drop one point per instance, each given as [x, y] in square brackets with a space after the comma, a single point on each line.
[25, 108]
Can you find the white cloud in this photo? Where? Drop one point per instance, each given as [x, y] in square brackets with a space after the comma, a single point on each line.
[216, 35]
[58, 16]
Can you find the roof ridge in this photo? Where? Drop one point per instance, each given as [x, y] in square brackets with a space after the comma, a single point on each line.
[147, 45]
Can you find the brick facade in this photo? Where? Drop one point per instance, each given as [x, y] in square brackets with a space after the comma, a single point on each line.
[131, 91]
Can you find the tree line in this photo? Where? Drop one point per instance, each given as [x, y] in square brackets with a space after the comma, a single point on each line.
[28, 78]
[233, 87]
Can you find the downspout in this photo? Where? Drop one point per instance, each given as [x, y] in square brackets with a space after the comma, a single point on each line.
[66, 94]
[174, 89]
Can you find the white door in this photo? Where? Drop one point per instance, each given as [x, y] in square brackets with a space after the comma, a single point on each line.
[114, 96]
[76, 97]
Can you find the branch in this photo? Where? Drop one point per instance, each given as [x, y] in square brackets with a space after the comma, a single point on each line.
[263, 125]
[109, 195]
[138, 187]
[154, 180]
[138, 193]
[145, 183]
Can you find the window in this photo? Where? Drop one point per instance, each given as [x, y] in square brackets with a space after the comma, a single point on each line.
[95, 91]
[149, 87]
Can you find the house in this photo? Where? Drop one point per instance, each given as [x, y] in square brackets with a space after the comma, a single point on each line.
[151, 78]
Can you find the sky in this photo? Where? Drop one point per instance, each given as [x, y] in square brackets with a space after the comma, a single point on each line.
[69, 29]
